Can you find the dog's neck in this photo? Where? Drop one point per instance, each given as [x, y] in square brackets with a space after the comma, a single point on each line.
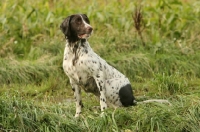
[72, 43]
[75, 47]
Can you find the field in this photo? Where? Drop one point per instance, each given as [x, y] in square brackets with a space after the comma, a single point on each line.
[155, 44]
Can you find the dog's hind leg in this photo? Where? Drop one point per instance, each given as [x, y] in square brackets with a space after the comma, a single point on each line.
[101, 85]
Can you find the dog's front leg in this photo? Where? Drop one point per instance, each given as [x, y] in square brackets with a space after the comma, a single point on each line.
[77, 96]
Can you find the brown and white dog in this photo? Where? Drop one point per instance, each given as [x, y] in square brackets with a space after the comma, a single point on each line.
[89, 71]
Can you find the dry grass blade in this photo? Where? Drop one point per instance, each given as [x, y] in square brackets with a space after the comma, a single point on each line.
[138, 23]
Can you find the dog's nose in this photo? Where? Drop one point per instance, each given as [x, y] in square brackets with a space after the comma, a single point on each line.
[90, 29]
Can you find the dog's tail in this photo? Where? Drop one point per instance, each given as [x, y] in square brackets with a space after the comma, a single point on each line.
[153, 100]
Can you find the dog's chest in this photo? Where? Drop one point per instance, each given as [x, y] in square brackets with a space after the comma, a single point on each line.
[74, 70]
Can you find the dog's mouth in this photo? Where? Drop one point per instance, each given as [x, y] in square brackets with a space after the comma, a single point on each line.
[84, 36]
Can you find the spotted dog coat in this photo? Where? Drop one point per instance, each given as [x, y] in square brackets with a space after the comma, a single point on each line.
[89, 71]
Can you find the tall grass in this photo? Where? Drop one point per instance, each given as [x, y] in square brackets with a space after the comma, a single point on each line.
[20, 115]
[35, 94]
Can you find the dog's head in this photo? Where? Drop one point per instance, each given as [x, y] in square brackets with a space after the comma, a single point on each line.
[76, 27]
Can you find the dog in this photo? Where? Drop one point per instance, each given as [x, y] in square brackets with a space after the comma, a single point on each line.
[87, 70]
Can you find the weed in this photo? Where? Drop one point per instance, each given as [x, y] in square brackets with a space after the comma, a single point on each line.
[138, 23]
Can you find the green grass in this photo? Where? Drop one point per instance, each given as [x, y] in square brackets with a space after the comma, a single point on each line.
[35, 94]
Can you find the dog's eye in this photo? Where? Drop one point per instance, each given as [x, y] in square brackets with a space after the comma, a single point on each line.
[78, 20]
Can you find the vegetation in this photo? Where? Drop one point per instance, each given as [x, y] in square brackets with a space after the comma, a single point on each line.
[159, 54]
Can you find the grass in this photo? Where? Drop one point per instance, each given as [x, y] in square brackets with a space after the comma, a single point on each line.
[35, 94]
[26, 115]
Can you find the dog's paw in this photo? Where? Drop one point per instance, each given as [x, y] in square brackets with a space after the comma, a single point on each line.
[77, 114]
[102, 114]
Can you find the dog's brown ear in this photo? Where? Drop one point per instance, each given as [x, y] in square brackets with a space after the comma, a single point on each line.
[65, 26]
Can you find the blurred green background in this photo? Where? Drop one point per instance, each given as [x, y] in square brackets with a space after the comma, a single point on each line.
[163, 63]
